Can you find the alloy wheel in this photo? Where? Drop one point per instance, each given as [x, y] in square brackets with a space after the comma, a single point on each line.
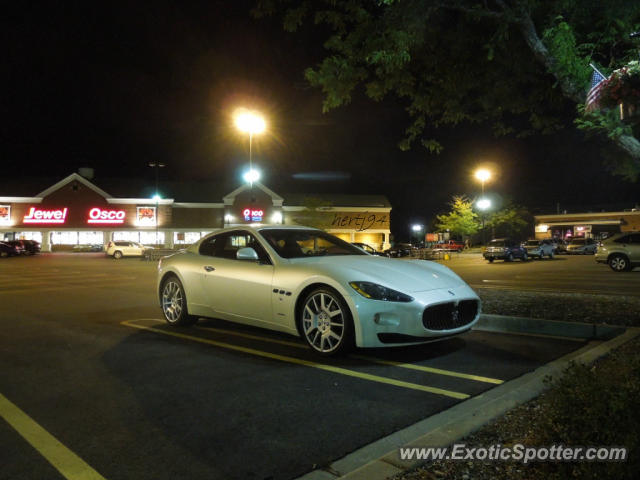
[172, 301]
[323, 322]
[618, 263]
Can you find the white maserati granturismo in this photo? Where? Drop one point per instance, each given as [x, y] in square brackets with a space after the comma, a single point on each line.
[309, 283]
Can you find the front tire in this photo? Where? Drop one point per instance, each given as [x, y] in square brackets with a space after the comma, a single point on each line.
[174, 303]
[619, 263]
[117, 254]
[510, 257]
[525, 257]
[326, 323]
[491, 259]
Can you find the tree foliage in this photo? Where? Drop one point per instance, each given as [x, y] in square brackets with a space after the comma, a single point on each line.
[511, 221]
[519, 65]
[461, 219]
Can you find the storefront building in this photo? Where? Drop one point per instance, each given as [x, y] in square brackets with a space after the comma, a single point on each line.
[596, 225]
[75, 211]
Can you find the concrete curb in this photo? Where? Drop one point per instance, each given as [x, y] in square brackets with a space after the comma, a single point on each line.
[536, 326]
[380, 459]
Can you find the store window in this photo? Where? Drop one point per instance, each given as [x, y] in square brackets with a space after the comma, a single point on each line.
[151, 238]
[37, 236]
[127, 236]
[64, 238]
[90, 238]
[186, 238]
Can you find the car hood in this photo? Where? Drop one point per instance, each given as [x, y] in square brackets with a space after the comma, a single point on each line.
[401, 275]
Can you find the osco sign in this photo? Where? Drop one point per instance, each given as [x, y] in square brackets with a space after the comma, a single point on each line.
[97, 215]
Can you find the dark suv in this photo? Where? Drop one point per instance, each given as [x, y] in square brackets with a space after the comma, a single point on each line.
[505, 249]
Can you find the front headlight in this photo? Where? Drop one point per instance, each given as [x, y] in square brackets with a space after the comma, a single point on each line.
[374, 291]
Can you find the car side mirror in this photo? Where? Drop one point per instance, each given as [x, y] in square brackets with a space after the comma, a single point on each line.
[247, 253]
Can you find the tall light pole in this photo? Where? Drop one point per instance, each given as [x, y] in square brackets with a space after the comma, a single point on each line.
[483, 204]
[157, 166]
[483, 175]
[253, 123]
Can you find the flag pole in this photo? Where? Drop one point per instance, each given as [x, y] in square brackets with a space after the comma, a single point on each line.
[596, 69]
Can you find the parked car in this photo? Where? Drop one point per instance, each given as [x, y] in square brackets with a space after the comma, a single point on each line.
[505, 249]
[88, 248]
[400, 250]
[367, 248]
[8, 250]
[582, 246]
[560, 245]
[31, 247]
[306, 282]
[621, 252]
[450, 245]
[17, 245]
[119, 249]
[539, 248]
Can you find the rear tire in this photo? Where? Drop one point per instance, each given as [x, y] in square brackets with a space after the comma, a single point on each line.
[117, 254]
[173, 302]
[510, 257]
[551, 255]
[491, 259]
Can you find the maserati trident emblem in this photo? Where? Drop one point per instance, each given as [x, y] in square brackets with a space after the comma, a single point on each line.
[454, 316]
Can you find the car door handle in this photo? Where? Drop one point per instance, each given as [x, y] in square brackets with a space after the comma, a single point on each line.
[209, 268]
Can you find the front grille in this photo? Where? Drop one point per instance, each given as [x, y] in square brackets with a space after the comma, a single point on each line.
[450, 315]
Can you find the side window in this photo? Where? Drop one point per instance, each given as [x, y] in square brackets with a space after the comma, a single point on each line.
[228, 244]
[208, 246]
[634, 238]
[624, 239]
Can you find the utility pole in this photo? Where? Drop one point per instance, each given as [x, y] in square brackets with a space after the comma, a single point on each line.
[157, 166]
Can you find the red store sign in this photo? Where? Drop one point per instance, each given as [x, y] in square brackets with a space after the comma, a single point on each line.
[37, 215]
[97, 215]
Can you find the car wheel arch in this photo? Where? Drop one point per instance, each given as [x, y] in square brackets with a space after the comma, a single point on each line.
[302, 295]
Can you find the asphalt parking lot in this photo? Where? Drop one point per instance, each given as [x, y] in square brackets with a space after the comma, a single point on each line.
[88, 364]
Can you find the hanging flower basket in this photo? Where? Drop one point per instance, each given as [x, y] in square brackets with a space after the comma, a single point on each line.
[622, 91]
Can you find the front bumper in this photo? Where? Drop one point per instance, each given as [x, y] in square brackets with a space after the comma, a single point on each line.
[385, 324]
[499, 254]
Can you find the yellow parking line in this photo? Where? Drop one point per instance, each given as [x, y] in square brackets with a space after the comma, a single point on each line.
[307, 363]
[411, 366]
[255, 337]
[64, 460]
[437, 371]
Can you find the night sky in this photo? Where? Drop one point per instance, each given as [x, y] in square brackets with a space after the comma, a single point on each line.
[115, 86]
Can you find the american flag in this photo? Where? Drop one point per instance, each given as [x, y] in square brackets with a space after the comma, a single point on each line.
[594, 92]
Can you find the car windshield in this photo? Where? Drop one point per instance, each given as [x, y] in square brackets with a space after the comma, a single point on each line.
[298, 243]
[577, 241]
[496, 243]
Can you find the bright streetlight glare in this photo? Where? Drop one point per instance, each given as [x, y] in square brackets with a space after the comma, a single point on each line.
[483, 174]
[416, 228]
[156, 197]
[251, 176]
[484, 203]
[250, 122]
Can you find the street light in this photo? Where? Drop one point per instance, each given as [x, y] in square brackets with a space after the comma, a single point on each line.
[251, 176]
[483, 204]
[156, 197]
[417, 228]
[483, 175]
[252, 123]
